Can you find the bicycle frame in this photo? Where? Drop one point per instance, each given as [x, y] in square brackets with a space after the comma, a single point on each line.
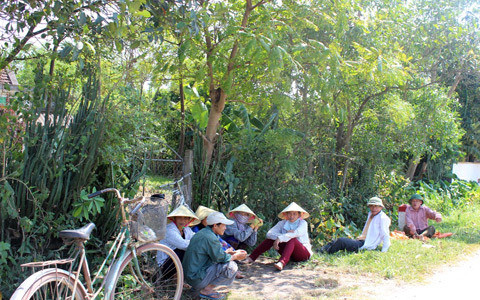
[122, 243]
[127, 255]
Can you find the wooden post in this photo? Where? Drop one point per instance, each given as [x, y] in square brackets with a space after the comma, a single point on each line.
[187, 168]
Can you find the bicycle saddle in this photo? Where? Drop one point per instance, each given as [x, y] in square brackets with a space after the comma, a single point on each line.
[82, 233]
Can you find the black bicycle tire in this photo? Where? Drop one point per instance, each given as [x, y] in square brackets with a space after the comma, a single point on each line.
[149, 252]
[44, 278]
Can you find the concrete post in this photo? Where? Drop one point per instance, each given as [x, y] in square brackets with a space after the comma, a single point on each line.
[188, 168]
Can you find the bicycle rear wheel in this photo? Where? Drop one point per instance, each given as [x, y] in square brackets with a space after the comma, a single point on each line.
[49, 284]
[161, 283]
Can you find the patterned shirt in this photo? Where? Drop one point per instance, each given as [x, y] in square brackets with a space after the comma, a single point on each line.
[418, 219]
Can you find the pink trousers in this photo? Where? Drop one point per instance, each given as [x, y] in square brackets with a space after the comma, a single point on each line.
[292, 249]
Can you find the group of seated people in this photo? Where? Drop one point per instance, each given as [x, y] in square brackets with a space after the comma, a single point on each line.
[208, 243]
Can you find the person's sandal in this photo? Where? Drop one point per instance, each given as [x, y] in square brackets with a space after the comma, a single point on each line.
[278, 265]
[239, 275]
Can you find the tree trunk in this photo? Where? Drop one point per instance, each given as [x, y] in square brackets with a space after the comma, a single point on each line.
[219, 98]
[181, 143]
[411, 169]
[452, 89]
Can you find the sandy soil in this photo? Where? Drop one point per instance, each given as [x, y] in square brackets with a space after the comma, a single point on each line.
[455, 281]
[263, 281]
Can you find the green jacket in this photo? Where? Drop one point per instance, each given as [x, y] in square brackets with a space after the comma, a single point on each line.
[203, 251]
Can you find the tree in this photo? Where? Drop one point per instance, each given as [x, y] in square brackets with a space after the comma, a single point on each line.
[49, 20]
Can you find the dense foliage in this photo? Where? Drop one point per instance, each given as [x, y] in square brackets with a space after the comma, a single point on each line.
[325, 103]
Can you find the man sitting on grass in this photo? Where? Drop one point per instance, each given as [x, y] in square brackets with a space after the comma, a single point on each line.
[206, 264]
[375, 232]
[416, 218]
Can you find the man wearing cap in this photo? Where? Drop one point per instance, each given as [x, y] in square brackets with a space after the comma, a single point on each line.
[417, 216]
[375, 232]
[205, 264]
[202, 214]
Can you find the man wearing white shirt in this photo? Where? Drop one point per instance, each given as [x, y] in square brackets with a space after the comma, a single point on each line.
[375, 232]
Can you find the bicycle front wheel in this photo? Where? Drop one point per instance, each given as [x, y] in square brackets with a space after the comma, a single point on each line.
[50, 284]
[159, 282]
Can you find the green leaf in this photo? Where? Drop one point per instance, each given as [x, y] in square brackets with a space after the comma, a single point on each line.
[264, 44]
[270, 120]
[257, 123]
[143, 13]
[60, 29]
[77, 212]
[118, 45]
[379, 63]
[135, 44]
[200, 114]
[182, 51]
[83, 19]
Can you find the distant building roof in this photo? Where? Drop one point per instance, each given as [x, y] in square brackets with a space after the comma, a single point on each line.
[7, 77]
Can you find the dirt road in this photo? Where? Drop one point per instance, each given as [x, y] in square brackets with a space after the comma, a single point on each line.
[458, 281]
[455, 281]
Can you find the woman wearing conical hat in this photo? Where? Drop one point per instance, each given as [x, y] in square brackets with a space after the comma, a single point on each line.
[242, 234]
[178, 235]
[289, 237]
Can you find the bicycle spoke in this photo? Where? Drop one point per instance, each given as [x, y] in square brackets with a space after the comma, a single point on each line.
[49, 284]
[161, 282]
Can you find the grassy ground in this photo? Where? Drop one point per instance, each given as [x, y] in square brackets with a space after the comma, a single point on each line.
[152, 182]
[412, 259]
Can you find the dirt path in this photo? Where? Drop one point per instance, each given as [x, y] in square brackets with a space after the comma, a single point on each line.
[456, 281]
[263, 281]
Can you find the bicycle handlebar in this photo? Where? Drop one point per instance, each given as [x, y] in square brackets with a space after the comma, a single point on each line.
[175, 182]
[106, 191]
[128, 201]
[138, 206]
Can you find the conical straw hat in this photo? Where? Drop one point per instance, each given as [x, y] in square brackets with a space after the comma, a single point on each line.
[202, 212]
[243, 208]
[294, 207]
[182, 211]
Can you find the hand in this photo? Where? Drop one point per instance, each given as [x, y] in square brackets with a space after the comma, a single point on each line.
[438, 220]
[275, 244]
[256, 223]
[260, 222]
[239, 255]
[230, 251]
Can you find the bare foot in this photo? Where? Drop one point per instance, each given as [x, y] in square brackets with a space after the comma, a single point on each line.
[248, 260]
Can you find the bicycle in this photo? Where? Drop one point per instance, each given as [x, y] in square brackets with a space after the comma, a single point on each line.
[134, 271]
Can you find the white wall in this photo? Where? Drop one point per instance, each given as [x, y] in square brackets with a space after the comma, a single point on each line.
[467, 171]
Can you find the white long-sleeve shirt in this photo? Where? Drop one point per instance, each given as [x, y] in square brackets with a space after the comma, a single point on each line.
[378, 232]
[301, 234]
[174, 240]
